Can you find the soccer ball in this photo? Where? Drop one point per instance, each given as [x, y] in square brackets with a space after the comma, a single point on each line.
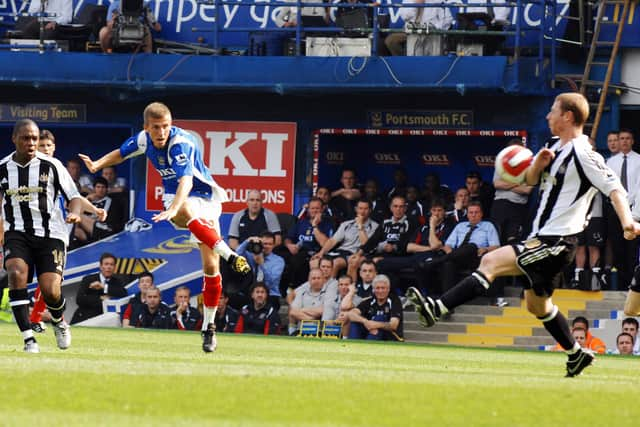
[512, 163]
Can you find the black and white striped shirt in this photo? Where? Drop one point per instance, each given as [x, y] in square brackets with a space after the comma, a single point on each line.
[31, 196]
[568, 186]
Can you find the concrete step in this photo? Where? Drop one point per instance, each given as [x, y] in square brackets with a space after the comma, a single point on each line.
[534, 340]
[480, 340]
[426, 336]
[506, 330]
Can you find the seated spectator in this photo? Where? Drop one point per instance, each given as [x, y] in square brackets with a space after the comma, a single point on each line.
[400, 184]
[343, 200]
[425, 244]
[333, 308]
[460, 205]
[630, 326]
[308, 303]
[425, 18]
[349, 237]
[324, 194]
[96, 288]
[379, 209]
[90, 229]
[590, 341]
[266, 266]
[154, 314]
[306, 239]
[312, 16]
[329, 283]
[116, 184]
[253, 221]
[363, 285]
[478, 16]
[467, 243]
[84, 183]
[47, 143]
[378, 317]
[145, 282]
[185, 316]
[391, 238]
[106, 35]
[415, 208]
[624, 344]
[433, 190]
[259, 316]
[57, 13]
[580, 335]
[479, 191]
[226, 316]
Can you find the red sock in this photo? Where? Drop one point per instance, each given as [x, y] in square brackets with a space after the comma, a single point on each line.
[38, 307]
[211, 290]
[204, 231]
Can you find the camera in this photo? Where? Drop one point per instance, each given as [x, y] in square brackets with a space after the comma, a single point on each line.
[255, 247]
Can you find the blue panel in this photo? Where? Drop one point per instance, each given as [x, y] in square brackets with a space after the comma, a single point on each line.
[147, 72]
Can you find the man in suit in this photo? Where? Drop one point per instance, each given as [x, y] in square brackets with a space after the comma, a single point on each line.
[95, 288]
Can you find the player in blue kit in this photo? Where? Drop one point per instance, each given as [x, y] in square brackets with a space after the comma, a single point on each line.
[191, 198]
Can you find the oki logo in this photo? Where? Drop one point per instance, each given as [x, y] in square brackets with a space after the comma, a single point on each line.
[241, 156]
[387, 158]
[335, 157]
[227, 145]
[484, 160]
[435, 159]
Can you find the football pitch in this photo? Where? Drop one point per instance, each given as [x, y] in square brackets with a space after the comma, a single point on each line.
[115, 377]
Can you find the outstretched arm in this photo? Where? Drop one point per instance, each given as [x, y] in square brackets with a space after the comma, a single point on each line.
[110, 159]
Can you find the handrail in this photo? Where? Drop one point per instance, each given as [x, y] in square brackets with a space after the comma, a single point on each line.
[374, 31]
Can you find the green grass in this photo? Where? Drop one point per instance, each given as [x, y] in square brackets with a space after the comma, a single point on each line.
[143, 378]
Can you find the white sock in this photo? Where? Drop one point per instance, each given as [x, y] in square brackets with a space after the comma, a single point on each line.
[222, 249]
[209, 316]
[576, 274]
[27, 334]
[292, 329]
[576, 348]
[443, 310]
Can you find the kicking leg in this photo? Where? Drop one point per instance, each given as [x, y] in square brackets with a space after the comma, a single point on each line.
[205, 230]
[501, 262]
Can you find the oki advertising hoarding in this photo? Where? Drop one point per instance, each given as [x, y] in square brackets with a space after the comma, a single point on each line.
[241, 156]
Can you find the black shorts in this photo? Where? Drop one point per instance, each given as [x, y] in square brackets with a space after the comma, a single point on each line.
[45, 254]
[339, 253]
[595, 234]
[543, 260]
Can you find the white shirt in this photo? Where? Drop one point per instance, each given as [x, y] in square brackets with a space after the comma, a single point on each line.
[436, 17]
[290, 14]
[565, 201]
[633, 172]
[499, 13]
[62, 8]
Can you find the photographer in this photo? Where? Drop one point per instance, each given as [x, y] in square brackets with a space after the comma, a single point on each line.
[266, 265]
[146, 17]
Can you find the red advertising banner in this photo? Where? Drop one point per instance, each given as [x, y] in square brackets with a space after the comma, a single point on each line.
[241, 156]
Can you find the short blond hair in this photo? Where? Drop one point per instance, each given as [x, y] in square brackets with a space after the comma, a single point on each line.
[577, 104]
[156, 110]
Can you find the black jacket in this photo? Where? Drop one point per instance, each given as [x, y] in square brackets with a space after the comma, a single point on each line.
[89, 301]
